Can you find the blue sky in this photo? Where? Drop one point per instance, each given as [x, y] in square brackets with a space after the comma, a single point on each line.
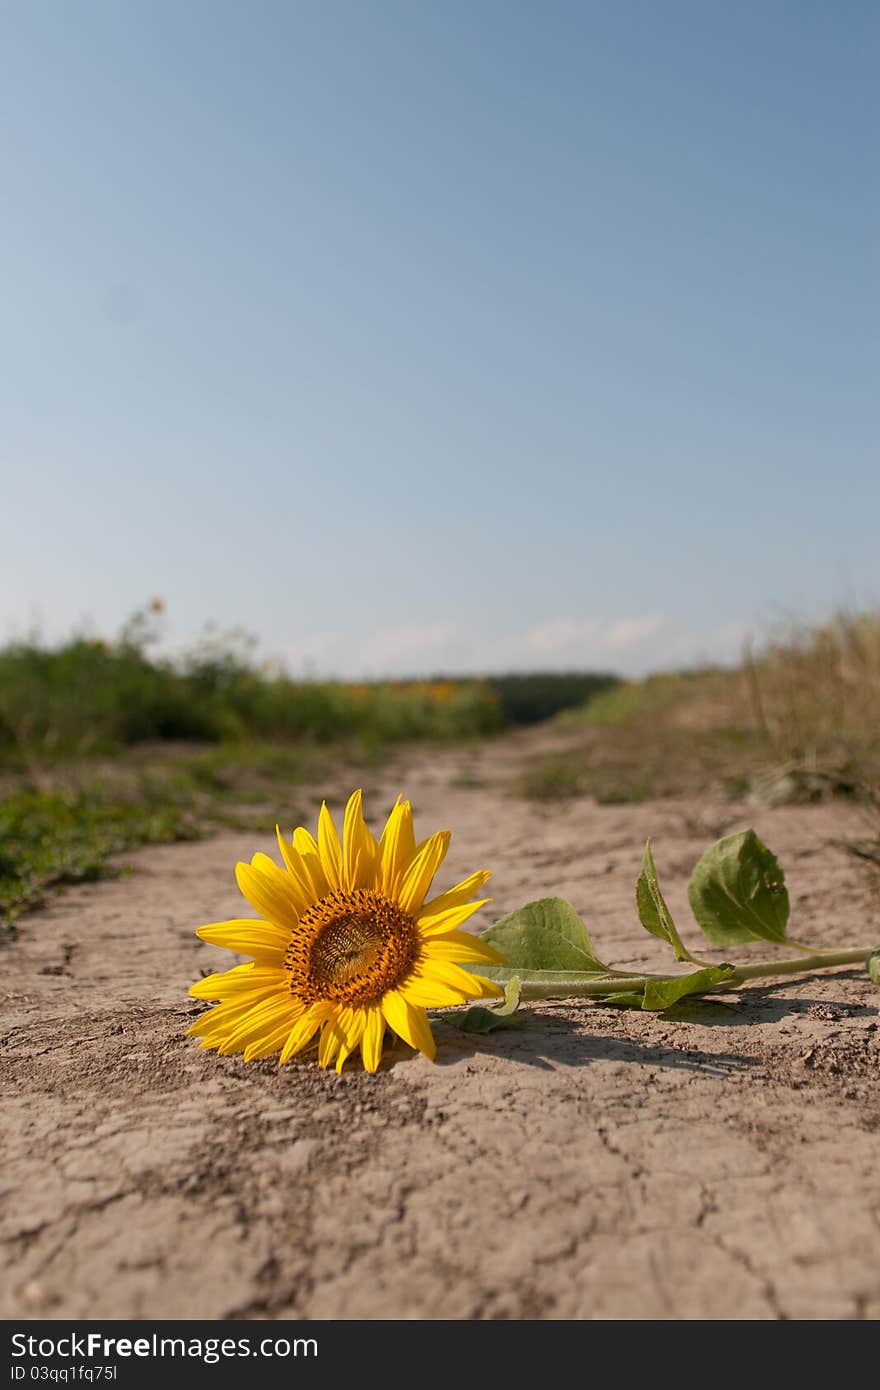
[418, 336]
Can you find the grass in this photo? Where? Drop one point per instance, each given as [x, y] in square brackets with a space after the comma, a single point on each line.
[799, 720]
[638, 760]
[51, 839]
[814, 693]
[69, 822]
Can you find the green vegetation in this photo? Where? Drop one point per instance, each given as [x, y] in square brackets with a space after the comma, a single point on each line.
[527, 699]
[89, 696]
[71, 822]
[737, 895]
[106, 746]
[50, 839]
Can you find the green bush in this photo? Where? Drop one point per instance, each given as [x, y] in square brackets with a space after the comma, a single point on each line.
[92, 696]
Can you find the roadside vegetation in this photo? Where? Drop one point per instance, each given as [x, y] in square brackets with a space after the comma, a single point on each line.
[105, 745]
[798, 720]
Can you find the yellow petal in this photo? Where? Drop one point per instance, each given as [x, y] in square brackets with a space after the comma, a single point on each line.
[217, 1022]
[410, 1023]
[302, 1032]
[341, 1035]
[396, 848]
[331, 1039]
[304, 842]
[329, 848]
[430, 994]
[442, 923]
[271, 1014]
[359, 846]
[337, 1025]
[291, 882]
[264, 941]
[302, 883]
[265, 1046]
[459, 946]
[455, 897]
[418, 876]
[444, 972]
[223, 983]
[239, 980]
[273, 900]
[307, 849]
[352, 1023]
[219, 933]
[371, 1043]
[452, 975]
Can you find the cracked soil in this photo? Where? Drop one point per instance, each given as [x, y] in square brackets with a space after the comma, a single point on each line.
[720, 1163]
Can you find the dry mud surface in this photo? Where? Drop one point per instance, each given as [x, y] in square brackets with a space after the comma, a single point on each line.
[589, 1164]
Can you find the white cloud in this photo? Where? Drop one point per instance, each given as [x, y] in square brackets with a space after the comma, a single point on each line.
[630, 632]
[394, 648]
[633, 644]
[571, 635]
[410, 647]
[559, 633]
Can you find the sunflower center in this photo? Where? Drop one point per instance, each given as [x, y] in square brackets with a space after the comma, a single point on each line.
[351, 947]
[345, 949]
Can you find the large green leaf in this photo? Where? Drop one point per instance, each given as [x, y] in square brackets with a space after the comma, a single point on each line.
[737, 892]
[476, 1019]
[545, 935]
[654, 915]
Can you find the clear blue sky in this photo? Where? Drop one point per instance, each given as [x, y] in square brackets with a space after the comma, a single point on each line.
[414, 336]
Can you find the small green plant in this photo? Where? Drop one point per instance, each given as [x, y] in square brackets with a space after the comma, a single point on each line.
[552, 781]
[737, 894]
[49, 840]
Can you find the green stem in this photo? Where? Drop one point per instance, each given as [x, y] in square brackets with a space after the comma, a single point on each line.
[819, 960]
[577, 984]
[695, 960]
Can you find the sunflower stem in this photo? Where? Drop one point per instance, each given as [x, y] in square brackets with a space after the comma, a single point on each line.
[695, 960]
[817, 960]
[561, 984]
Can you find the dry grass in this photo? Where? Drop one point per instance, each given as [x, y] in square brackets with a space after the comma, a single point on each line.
[814, 693]
[798, 721]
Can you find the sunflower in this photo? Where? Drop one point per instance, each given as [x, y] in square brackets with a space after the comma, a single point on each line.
[346, 945]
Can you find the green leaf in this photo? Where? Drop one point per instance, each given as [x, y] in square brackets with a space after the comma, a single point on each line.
[873, 964]
[654, 915]
[545, 935]
[737, 892]
[479, 1020]
[657, 995]
[625, 999]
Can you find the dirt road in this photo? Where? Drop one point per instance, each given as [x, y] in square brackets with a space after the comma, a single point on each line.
[589, 1164]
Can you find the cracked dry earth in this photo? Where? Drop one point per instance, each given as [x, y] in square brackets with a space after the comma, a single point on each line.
[723, 1163]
